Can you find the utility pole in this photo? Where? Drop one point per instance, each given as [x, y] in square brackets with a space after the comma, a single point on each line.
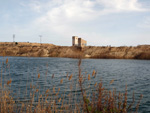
[13, 37]
[40, 38]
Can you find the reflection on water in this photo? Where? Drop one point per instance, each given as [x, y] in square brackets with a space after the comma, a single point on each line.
[24, 74]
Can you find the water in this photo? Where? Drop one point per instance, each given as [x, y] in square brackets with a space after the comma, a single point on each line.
[23, 71]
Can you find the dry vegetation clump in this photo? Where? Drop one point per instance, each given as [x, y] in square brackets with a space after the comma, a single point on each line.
[122, 52]
[70, 52]
[104, 56]
[53, 100]
[143, 55]
[105, 101]
[73, 55]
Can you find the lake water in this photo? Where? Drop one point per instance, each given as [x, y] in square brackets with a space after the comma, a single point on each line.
[24, 70]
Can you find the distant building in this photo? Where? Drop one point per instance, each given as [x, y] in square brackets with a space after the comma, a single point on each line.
[74, 41]
[81, 42]
[78, 42]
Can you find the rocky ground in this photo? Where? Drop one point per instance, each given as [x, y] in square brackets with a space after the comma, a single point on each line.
[50, 50]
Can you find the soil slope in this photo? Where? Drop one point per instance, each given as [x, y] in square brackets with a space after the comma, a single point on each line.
[50, 50]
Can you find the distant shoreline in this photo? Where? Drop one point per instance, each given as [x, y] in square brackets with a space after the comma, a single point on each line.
[25, 49]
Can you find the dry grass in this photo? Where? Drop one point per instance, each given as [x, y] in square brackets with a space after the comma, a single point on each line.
[50, 50]
[99, 100]
[103, 100]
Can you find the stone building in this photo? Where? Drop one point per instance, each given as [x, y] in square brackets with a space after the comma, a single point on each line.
[78, 42]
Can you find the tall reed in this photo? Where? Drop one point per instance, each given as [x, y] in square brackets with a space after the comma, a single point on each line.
[53, 100]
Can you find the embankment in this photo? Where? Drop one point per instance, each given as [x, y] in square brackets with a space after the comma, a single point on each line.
[50, 50]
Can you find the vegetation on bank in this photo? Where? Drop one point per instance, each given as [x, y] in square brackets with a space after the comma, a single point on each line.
[100, 100]
[50, 50]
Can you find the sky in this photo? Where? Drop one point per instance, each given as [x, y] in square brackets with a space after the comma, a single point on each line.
[100, 22]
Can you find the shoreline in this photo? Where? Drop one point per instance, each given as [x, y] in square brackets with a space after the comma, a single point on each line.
[24, 49]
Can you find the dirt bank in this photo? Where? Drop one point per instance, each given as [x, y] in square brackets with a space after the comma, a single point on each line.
[50, 50]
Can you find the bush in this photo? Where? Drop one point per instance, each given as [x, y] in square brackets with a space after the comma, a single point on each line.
[16, 43]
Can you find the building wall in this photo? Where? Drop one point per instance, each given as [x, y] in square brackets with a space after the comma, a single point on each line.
[74, 41]
[81, 42]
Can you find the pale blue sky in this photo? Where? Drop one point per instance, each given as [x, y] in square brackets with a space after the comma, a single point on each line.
[100, 22]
